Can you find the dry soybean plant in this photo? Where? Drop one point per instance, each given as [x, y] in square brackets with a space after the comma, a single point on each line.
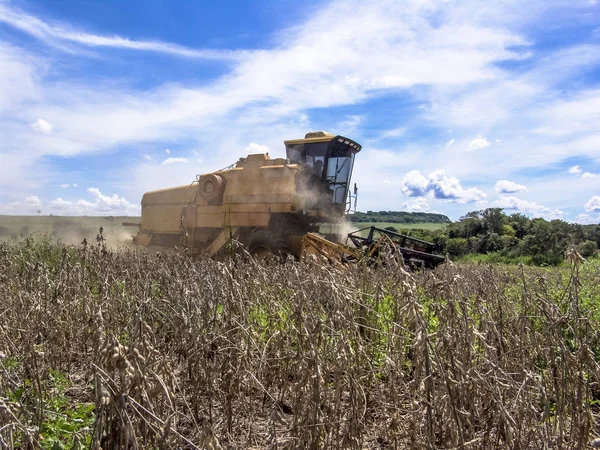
[164, 351]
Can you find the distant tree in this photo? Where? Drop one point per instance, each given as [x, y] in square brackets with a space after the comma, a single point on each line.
[491, 230]
[592, 233]
[537, 240]
[473, 226]
[493, 219]
[494, 243]
[519, 222]
[467, 227]
[529, 246]
[472, 215]
[456, 246]
[588, 248]
[561, 237]
[577, 232]
[508, 230]
[509, 244]
[398, 217]
[439, 242]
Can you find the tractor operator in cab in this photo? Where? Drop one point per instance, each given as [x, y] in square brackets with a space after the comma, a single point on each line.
[317, 170]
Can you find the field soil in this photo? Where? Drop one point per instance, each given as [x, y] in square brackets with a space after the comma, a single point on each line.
[73, 229]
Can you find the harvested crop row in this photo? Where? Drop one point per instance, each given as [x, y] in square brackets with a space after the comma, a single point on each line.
[174, 352]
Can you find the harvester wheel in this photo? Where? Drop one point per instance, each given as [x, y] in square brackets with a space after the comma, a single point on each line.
[280, 248]
[260, 253]
[211, 187]
[263, 243]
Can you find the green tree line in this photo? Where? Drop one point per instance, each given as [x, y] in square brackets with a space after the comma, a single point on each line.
[515, 237]
[398, 217]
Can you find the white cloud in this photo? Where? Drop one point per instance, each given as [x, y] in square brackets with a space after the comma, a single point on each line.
[541, 123]
[478, 144]
[386, 183]
[28, 206]
[508, 187]
[393, 133]
[304, 120]
[593, 205]
[447, 188]
[57, 33]
[257, 148]
[60, 204]
[530, 100]
[75, 185]
[587, 219]
[42, 126]
[148, 157]
[445, 54]
[18, 77]
[167, 151]
[577, 170]
[172, 160]
[529, 207]
[442, 187]
[33, 201]
[450, 142]
[414, 184]
[349, 124]
[416, 205]
[101, 205]
[109, 203]
[96, 116]
[64, 186]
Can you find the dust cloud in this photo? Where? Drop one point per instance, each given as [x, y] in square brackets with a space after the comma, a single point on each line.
[69, 230]
[343, 229]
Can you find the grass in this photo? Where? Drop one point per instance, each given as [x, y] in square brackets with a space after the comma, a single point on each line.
[401, 226]
[353, 226]
[181, 353]
[66, 418]
[497, 258]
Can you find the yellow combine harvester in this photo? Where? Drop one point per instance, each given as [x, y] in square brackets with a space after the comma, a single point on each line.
[268, 205]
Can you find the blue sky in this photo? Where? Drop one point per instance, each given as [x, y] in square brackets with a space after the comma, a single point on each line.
[459, 105]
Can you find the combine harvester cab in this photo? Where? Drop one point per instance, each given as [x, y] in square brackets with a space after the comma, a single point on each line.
[266, 204]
